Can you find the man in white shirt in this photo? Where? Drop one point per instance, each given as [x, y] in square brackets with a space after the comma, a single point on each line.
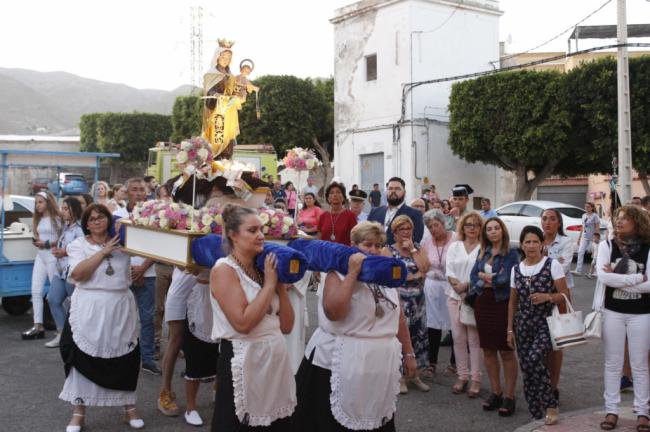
[143, 285]
[310, 188]
[396, 193]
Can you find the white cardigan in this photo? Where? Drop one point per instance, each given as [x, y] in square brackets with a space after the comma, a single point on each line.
[628, 282]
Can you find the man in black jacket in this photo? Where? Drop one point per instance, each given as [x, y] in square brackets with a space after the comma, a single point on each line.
[395, 194]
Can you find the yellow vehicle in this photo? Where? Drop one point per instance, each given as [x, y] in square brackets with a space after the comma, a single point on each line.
[162, 159]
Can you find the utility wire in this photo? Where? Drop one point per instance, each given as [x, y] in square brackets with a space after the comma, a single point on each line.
[406, 88]
[559, 34]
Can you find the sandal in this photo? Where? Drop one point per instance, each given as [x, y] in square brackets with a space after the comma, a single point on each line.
[451, 370]
[645, 427]
[474, 389]
[429, 371]
[608, 424]
[508, 407]
[552, 416]
[493, 402]
[459, 387]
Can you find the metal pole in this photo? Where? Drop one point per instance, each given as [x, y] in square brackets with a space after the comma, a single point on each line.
[624, 114]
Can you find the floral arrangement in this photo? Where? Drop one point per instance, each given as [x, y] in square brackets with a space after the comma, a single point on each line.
[300, 159]
[277, 224]
[208, 220]
[195, 157]
[163, 214]
[166, 215]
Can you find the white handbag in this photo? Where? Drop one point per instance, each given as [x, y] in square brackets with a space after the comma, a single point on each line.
[466, 315]
[594, 325]
[567, 330]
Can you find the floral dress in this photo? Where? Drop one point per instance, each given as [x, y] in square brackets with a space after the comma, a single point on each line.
[533, 339]
[413, 303]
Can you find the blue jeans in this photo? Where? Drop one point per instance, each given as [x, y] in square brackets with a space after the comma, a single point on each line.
[59, 291]
[145, 296]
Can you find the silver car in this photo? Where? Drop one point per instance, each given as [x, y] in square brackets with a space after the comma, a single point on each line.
[518, 214]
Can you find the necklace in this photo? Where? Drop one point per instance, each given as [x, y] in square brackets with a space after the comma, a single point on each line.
[110, 271]
[254, 276]
[333, 236]
[440, 252]
[378, 295]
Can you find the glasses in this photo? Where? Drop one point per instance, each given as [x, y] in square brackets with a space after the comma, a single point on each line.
[470, 225]
[97, 219]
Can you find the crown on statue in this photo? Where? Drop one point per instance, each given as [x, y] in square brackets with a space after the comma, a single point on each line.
[225, 43]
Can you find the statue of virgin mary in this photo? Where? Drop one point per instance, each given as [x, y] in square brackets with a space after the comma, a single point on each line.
[220, 116]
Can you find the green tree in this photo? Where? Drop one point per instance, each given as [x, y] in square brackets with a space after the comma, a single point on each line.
[186, 117]
[88, 132]
[592, 95]
[517, 121]
[293, 112]
[130, 135]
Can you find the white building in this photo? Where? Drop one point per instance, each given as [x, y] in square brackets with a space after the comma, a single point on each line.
[380, 45]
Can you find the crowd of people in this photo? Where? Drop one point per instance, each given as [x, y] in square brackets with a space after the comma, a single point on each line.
[371, 343]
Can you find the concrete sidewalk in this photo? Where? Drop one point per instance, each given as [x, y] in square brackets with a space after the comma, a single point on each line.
[584, 420]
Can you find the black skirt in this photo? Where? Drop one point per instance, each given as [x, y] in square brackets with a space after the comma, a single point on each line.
[200, 357]
[224, 418]
[314, 411]
[118, 373]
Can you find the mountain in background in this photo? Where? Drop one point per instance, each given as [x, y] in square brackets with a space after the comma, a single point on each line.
[51, 103]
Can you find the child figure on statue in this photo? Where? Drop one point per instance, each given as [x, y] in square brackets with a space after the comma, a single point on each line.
[242, 85]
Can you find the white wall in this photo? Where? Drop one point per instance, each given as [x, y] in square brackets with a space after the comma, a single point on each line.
[367, 114]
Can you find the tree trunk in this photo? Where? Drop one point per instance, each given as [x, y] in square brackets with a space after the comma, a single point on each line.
[643, 177]
[524, 186]
[325, 168]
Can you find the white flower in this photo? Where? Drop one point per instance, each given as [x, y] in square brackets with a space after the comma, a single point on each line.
[186, 145]
[143, 221]
[311, 163]
[164, 222]
[181, 157]
[161, 214]
[264, 217]
[175, 206]
[206, 229]
[265, 230]
[203, 154]
[194, 227]
[189, 170]
[206, 219]
[274, 220]
[152, 219]
[219, 220]
[287, 220]
[285, 229]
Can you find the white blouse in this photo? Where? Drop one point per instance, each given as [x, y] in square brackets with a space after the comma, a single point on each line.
[557, 272]
[81, 249]
[460, 263]
[361, 321]
[221, 327]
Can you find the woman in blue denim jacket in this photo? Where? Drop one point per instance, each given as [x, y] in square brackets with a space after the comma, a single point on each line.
[490, 292]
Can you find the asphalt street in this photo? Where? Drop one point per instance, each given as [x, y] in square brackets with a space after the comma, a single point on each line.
[31, 377]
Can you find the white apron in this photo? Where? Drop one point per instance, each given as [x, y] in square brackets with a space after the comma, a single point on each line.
[263, 381]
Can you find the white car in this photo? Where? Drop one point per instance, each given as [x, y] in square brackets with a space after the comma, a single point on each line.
[518, 214]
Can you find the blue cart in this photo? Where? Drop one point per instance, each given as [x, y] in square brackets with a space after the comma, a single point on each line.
[16, 250]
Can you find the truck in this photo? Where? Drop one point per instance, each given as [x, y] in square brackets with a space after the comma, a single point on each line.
[162, 159]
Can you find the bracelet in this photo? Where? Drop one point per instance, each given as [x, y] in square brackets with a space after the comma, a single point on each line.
[510, 331]
[411, 354]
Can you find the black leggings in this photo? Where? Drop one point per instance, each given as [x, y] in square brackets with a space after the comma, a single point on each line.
[435, 336]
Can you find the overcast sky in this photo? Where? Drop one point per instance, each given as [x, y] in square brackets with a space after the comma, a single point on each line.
[145, 43]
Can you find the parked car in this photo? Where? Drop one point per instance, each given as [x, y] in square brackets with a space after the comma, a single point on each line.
[22, 211]
[71, 184]
[518, 214]
[38, 184]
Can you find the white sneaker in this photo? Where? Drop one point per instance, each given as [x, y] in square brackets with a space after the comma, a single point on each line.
[54, 343]
[193, 418]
